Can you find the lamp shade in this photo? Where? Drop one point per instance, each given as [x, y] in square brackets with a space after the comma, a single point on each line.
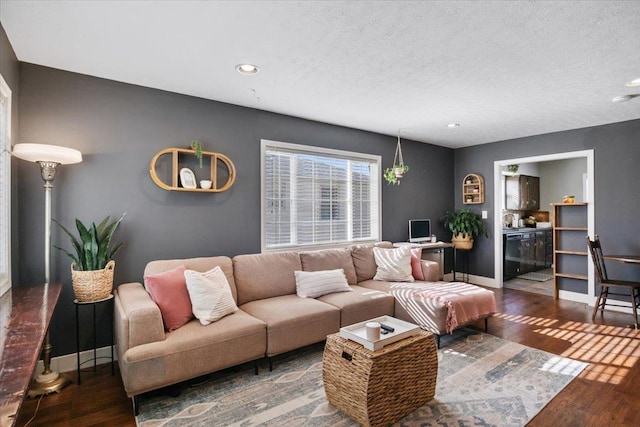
[47, 153]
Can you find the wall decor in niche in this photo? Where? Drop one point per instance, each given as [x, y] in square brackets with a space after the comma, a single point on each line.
[187, 178]
[222, 171]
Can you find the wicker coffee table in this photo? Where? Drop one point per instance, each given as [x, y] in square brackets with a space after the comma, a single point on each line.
[377, 388]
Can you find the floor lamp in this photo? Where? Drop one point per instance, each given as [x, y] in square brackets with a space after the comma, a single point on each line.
[49, 157]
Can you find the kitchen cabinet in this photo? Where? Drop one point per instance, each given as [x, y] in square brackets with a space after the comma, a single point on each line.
[525, 250]
[522, 192]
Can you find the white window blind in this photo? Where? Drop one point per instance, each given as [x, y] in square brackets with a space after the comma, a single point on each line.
[315, 197]
[5, 186]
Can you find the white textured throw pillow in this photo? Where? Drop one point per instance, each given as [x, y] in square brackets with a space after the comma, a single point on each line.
[313, 284]
[210, 295]
[394, 265]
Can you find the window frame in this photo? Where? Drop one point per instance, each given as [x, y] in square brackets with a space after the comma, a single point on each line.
[265, 144]
[5, 181]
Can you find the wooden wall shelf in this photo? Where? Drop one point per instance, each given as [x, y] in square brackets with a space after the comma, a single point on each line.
[472, 189]
[215, 160]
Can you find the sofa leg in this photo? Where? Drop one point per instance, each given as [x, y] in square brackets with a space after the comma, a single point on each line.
[486, 324]
[437, 341]
[136, 405]
[255, 367]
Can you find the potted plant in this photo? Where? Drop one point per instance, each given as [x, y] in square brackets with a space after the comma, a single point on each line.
[92, 263]
[394, 174]
[196, 146]
[513, 168]
[465, 224]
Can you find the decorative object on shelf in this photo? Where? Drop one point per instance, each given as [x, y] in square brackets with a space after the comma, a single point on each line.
[196, 146]
[176, 171]
[92, 264]
[568, 199]
[394, 174]
[49, 157]
[472, 189]
[187, 178]
[513, 168]
[205, 184]
[465, 224]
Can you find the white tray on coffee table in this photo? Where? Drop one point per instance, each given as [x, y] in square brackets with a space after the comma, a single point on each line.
[358, 333]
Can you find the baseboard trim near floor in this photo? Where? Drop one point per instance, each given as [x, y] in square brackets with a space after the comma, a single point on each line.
[473, 279]
[68, 362]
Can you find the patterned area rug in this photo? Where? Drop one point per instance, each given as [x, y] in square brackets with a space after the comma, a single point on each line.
[482, 381]
[538, 277]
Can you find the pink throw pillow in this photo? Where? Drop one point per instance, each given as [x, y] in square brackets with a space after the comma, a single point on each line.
[416, 264]
[169, 290]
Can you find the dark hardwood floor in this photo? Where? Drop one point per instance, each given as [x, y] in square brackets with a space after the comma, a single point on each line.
[607, 393]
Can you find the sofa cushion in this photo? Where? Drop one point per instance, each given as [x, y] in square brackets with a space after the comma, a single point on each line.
[169, 290]
[330, 259]
[293, 322]
[260, 276]
[416, 264]
[393, 264]
[210, 295]
[360, 305]
[198, 264]
[364, 261]
[193, 350]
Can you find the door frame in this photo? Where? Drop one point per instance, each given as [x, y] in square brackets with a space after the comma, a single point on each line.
[590, 193]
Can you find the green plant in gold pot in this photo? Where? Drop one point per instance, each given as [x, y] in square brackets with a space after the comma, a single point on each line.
[464, 224]
[92, 263]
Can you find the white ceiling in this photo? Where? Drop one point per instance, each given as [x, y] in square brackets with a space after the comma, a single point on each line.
[501, 69]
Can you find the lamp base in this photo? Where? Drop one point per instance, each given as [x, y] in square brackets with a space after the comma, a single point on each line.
[41, 386]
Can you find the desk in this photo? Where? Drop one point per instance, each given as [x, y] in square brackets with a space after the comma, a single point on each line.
[434, 247]
[26, 313]
[627, 259]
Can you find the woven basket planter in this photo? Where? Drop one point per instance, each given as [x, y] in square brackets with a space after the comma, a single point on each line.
[93, 285]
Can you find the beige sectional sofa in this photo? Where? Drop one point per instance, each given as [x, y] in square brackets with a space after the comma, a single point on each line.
[271, 318]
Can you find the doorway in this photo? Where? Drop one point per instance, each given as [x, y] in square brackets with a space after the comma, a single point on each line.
[589, 198]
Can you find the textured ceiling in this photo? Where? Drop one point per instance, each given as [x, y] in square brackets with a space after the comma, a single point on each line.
[501, 69]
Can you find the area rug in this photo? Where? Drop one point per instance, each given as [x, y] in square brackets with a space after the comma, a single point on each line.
[482, 380]
[538, 277]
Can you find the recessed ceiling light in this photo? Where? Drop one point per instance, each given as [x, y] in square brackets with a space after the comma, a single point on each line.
[624, 98]
[247, 69]
[453, 125]
[633, 83]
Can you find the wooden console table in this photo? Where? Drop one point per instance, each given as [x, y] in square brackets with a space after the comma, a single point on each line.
[26, 313]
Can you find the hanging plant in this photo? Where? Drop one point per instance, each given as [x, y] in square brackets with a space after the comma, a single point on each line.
[395, 173]
[513, 168]
[196, 146]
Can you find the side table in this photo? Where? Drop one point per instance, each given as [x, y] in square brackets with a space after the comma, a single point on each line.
[93, 304]
[378, 388]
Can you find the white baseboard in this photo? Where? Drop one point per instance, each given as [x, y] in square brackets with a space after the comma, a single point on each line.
[68, 362]
[473, 279]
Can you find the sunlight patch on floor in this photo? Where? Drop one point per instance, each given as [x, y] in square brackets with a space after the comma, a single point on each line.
[611, 351]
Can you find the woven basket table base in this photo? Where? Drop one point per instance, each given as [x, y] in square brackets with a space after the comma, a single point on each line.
[377, 388]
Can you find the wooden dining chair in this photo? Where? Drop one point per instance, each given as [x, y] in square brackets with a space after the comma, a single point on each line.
[605, 284]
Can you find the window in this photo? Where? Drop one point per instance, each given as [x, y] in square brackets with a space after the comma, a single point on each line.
[317, 197]
[5, 186]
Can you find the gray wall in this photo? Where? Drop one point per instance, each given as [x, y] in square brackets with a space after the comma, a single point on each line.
[10, 70]
[559, 178]
[617, 199]
[119, 127]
